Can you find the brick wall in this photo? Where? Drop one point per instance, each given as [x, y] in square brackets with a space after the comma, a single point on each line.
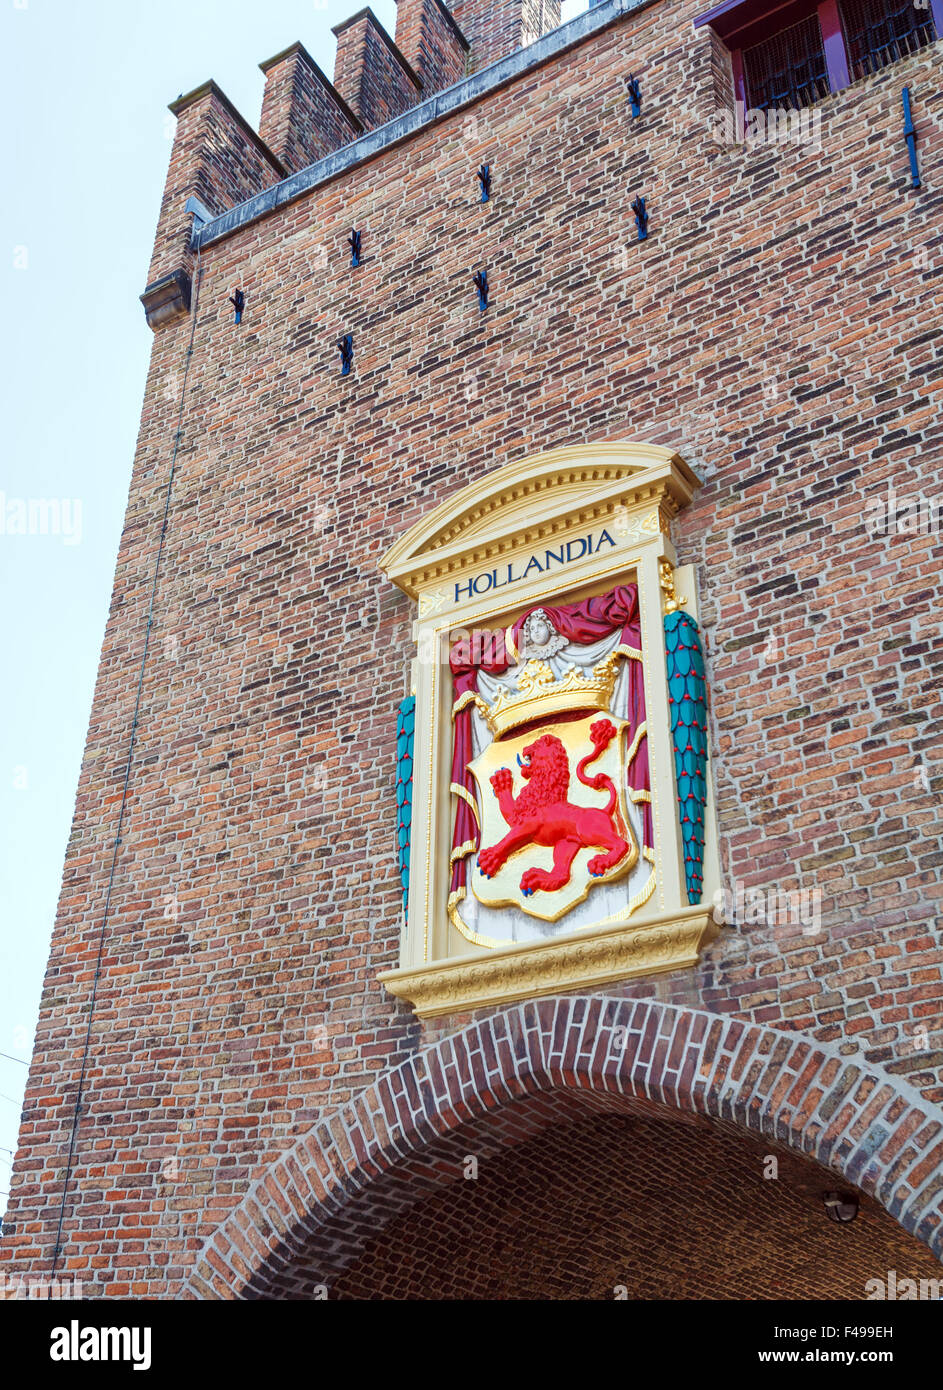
[495, 29]
[303, 117]
[642, 1209]
[217, 158]
[432, 42]
[344, 1195]
[371, 73]
[780, 327]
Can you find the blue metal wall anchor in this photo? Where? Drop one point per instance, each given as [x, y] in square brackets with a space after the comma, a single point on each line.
[484, 178]
[910, 135]
[346, 346]
[635, 95]
[481, 285]
[641, 217]
[354, 241]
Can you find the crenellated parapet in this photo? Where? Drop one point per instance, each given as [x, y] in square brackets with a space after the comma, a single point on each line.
[218, 161]
[497, 28]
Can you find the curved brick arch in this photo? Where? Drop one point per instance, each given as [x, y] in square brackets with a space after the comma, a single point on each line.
[392, 1142]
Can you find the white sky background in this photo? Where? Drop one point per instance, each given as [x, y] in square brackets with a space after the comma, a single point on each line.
[87, 138]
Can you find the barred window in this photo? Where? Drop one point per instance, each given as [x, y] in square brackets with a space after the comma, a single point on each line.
[879, 32]
[788, 70]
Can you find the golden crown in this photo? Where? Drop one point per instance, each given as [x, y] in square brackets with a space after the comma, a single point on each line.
[540, 694]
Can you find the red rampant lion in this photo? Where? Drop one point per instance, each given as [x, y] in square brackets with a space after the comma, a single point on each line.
[541, 815]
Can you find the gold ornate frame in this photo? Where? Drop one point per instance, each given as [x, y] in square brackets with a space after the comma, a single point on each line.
[633, 491]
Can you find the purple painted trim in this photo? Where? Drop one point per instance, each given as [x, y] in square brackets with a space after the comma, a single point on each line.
[741, 23]
[739, 81]
[936, 9]
[742, 12]
[717, 11]
[833, 41]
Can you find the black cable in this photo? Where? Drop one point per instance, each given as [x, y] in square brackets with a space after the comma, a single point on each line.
[14, 1059]
[127, 777]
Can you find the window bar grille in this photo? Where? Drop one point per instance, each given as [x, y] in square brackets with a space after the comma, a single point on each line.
[880, 32]
[788, 70]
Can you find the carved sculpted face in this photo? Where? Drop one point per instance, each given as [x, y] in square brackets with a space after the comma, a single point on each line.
[539, 638]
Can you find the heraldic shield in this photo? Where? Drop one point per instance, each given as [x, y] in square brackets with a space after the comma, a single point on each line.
[552, 828]
[554, 821]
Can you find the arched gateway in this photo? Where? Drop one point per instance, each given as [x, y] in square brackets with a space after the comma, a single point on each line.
[543, 1066]
[520, 615]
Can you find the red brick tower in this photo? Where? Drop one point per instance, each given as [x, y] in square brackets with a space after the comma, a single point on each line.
[224, 1096]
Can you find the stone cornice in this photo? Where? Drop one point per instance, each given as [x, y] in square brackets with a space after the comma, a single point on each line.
[582, 961]
[167, 299]
[532, 500]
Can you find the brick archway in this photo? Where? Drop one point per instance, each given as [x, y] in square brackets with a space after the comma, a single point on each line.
[510, 1074]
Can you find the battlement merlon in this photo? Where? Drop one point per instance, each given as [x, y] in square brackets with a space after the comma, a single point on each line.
[431, 41]
[304, 117]
[216, 158]
[495, 28]
[371, 73]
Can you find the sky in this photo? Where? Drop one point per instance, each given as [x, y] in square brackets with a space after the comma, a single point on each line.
[88, 136]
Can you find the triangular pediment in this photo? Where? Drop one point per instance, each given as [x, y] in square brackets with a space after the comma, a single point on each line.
[532, 499]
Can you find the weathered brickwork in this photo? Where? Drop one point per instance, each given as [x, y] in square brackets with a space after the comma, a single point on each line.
[781, 329]
[216, 158]
[308, 1220]
[722, 70]
[497, 29]
[605, 1208]
[371, 73]
[431, 41]
[303, 117]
